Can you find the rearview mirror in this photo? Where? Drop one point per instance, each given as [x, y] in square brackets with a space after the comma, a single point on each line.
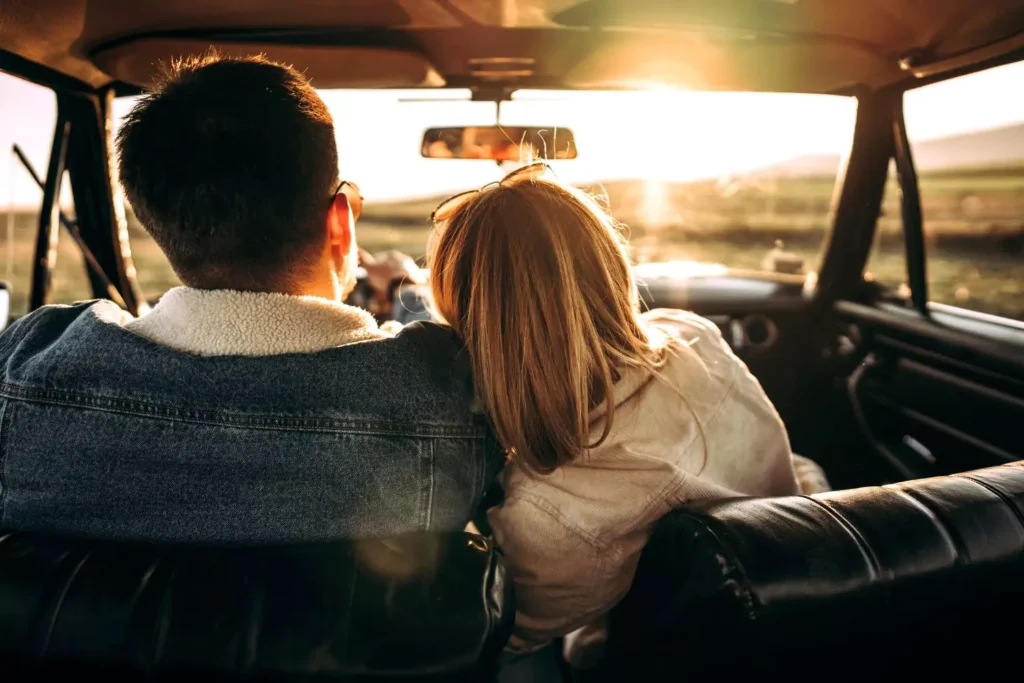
[499, 143]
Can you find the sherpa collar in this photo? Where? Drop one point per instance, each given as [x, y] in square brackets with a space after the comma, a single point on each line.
[225, 322]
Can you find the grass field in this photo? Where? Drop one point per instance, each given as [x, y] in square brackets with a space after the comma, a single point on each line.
[974, 223]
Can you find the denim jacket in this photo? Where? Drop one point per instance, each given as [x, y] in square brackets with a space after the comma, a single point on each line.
[227, 417]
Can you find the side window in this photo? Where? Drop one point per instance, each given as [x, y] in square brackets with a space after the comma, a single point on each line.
[27, 119]
[887, 264]
[967, 138]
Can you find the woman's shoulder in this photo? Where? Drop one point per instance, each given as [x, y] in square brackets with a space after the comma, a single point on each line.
[681, 326]
[707, 381]
[695, 350]
[736, 416]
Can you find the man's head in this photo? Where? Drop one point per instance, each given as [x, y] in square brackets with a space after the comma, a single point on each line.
[231, 165]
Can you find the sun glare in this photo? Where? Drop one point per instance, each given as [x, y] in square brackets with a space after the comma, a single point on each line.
[664, 134]
[655, 209]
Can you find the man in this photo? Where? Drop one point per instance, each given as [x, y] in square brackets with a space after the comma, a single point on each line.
[250, 405]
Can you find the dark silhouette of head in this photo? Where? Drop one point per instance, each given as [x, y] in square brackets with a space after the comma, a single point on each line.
[230, 164]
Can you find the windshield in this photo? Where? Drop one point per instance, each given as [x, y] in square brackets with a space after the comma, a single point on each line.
[744, 180]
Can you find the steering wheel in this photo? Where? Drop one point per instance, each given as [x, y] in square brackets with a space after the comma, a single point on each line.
[403, 299]
[363, 295]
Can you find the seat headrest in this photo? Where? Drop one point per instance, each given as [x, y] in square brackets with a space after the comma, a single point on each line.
[426, 604]
[863, 579]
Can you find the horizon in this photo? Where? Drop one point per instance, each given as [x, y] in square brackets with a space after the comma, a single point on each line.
[669, 136]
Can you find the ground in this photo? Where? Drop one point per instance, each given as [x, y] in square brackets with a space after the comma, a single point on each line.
[974, 222]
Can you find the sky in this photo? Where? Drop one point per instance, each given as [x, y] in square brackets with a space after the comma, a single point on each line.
[658, 134]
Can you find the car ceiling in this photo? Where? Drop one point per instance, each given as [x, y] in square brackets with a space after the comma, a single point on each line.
[786, 45]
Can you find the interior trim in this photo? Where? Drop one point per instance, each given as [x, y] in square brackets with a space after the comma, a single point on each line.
[962, 384]
[853, 390]
[932, 423]
[975, 316]
[1004, 353]
[910, 209]
[955, 364]
[861, 185]
[30, 71]
[138, 61]
[966, 59]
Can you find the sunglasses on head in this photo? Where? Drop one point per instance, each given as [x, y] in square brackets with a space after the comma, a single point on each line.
[355, 197]
[445, 209]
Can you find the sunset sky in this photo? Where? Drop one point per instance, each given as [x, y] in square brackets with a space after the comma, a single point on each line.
[662, 135]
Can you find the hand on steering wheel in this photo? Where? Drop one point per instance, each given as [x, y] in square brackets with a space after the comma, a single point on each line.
[384, 269]
[385, 273]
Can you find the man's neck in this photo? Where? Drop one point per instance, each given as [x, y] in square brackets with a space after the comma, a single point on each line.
[324, 288]
[329, 289]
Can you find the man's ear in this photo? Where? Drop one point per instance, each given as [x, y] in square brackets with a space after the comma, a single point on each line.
[341, 225]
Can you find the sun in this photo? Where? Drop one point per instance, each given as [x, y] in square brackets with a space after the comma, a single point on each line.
[681, 135]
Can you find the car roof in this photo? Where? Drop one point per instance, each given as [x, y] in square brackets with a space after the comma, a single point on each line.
[819, 46]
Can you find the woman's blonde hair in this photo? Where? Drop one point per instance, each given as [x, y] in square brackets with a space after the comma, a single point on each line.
[534, 276]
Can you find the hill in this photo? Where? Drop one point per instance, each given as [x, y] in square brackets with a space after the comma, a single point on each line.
[994, 147]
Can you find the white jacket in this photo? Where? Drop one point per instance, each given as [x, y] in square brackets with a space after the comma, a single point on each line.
[702, 427]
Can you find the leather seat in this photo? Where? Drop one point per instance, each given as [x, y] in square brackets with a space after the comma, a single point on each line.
[924, 578]
[436, 607]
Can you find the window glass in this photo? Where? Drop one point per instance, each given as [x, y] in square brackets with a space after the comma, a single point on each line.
[28, 114]
[967, 138]
[887, 264]
[743, 180]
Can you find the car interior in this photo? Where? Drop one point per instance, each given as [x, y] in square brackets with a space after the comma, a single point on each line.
[891, 340]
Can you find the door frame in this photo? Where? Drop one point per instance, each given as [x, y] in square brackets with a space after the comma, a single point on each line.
[99, 229]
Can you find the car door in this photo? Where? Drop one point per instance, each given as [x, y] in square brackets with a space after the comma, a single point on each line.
[934, 343]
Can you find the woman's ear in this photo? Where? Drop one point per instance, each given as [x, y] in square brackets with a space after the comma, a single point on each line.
[341, 226]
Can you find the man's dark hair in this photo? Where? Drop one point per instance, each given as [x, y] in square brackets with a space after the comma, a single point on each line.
[229, 164]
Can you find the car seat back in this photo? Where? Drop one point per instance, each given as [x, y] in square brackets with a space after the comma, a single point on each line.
[916, 578]
[436, 607]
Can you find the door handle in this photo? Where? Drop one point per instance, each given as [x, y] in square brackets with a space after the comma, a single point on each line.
[853, 390]
[919, 448]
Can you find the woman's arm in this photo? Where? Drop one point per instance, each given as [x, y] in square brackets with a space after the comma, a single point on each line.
[563, 579]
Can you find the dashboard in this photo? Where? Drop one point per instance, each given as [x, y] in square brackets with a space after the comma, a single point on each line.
[751, 309]
[751, 332]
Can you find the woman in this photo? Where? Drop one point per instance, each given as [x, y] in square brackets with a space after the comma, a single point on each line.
[611, 417]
